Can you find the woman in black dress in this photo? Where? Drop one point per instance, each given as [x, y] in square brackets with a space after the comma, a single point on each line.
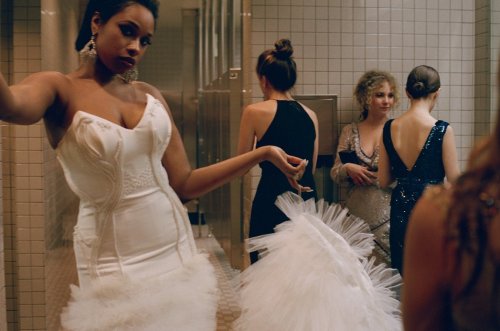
[281, 121]
[453, 281]
[417, 150]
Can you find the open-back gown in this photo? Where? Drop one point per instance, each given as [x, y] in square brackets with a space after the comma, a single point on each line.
[428, 169]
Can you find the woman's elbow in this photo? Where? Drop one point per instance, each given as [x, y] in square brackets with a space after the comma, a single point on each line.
[183, 194]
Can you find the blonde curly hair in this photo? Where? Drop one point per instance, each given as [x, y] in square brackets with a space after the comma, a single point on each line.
[370, 81]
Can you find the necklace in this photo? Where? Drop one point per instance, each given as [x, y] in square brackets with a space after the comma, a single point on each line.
[129, 75]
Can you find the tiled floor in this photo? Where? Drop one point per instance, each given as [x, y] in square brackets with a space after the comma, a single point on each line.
[62, 271]
[228, 309]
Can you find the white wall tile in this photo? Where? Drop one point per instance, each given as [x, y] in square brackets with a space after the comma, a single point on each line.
[395, 35]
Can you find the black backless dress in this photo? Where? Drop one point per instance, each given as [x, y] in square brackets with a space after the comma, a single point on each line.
[293, 130]
[428, 169]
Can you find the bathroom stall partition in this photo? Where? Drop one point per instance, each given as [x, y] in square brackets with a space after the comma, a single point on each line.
[219, 113]
[325, 107]
[221, 209]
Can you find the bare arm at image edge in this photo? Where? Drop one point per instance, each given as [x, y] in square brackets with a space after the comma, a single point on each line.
[450, 159]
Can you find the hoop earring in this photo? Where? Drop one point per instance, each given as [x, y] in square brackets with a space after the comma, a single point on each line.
[130, 75]
[88, 52]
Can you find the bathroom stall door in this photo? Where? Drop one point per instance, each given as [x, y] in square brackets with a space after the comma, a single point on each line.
[219, 116]
[325, 107]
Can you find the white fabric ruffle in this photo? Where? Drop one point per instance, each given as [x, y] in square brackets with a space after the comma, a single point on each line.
[184, 299]
[313, 275]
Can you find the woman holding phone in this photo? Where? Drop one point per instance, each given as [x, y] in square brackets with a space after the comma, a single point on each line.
[356, 163]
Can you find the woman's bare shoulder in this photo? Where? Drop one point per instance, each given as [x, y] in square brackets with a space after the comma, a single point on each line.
[261, 108]
[262, 105]
[149, 89]
[347, 129]
[48, 78]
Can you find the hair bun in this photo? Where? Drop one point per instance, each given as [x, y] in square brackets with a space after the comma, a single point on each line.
[422, 81]
[419, 86]
[283, 49]
[419, 89]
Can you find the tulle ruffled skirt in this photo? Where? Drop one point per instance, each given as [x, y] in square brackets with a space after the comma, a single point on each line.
[314, 275]
[184, 299]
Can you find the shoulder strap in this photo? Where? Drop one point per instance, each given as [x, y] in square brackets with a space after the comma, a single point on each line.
[441, 126]
[386, 136]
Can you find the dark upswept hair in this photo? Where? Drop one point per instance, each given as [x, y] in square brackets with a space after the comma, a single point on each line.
[107, 9]
[422, 81]
[278, 65]
[475, 201]
[367, 83]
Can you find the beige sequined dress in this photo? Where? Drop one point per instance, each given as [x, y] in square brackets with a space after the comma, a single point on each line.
[371, 203]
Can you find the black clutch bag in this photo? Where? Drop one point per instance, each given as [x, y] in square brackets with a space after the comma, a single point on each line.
[348, 156]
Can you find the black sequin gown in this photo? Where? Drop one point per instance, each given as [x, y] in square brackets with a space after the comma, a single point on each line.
[428, 169]
[293, 130]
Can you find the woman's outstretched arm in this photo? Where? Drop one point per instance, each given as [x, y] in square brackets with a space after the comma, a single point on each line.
[191, 183]
[28, 101]
[450, 159]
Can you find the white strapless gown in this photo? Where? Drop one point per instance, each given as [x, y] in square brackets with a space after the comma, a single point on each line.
[138, 266]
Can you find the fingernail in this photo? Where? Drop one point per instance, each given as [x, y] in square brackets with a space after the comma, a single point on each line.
[308, 190]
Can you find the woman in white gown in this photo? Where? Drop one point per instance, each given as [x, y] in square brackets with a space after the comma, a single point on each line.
[138, 266]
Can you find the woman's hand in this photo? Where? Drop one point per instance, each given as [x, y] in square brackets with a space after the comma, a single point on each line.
[292, 166]
[360, 175]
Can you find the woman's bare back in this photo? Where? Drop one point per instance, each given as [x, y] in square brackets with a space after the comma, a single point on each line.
[409, 134]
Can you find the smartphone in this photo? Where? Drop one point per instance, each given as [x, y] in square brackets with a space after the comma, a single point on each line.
[348, 156]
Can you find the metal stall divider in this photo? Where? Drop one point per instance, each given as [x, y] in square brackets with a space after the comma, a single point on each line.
[325, 107]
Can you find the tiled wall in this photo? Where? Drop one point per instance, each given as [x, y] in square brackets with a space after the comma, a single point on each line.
[335, 41]
[5, 52]
[486, 59]
[7, 141]
[26, 309]
[483, 69]
[35, 196]
[495, 54]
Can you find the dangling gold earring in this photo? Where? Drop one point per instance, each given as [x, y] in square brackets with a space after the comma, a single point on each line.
[88, 52]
